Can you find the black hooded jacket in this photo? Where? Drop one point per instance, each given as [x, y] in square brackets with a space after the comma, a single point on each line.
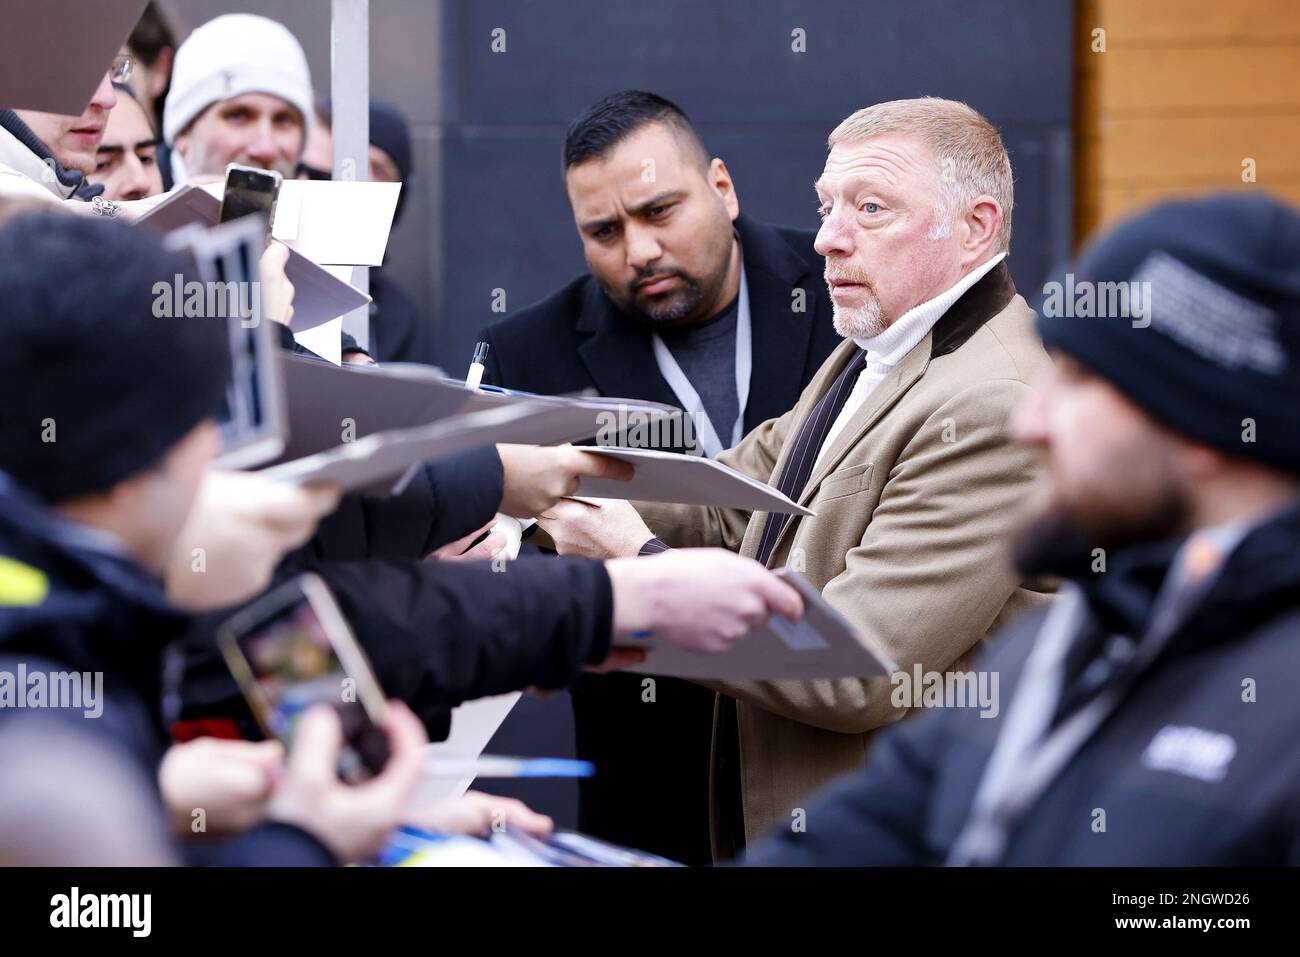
[70, 602]
[1196, 765]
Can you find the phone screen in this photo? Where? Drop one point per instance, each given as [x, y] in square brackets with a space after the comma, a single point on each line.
[249, 191]
[285, 653]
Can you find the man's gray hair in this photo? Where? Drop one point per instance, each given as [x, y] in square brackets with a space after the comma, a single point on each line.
[967, 148]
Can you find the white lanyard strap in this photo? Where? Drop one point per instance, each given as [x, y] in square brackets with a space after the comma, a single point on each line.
[1029, 754]
[690, 399]
[1027, 722]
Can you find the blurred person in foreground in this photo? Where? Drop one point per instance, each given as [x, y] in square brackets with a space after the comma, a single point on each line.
[100, 470]
[1148, 718]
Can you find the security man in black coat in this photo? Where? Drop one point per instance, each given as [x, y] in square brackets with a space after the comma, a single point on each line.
[691, 304]
[1149, 717]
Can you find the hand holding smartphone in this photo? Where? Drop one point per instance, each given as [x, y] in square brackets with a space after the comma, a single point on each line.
[250, 191]
[293, 649]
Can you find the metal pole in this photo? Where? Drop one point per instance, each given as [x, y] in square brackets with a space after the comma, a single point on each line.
[350, 96]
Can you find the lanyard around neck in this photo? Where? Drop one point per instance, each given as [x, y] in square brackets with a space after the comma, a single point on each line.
[1029, 753]
[690, 399]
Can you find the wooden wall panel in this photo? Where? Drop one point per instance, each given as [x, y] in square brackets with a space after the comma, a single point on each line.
[1183, 94]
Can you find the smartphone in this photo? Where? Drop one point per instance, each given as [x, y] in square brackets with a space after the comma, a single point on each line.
[250, 191]
[292, 649]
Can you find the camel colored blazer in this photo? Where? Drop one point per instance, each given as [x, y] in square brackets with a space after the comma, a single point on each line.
[913, 503]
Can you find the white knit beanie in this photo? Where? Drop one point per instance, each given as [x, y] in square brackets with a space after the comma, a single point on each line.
[232, 55]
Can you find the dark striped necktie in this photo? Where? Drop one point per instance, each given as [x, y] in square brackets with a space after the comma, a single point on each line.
[799, 465]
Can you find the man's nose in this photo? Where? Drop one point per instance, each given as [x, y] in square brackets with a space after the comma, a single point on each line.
[833, 238]
[262, 149]
[105, 97]
[136, 184]
[642, 247]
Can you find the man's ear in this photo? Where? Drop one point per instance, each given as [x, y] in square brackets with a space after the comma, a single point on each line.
[981, 224]
[720, 179]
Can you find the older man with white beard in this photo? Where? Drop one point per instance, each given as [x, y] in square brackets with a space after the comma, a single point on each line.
[899, 444]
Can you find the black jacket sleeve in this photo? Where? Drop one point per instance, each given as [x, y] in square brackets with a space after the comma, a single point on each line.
[445, 500]
[876, 816]
[440, 633]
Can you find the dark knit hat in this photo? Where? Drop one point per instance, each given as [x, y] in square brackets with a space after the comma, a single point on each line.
[1192, 309]
[388, 130]
[93, 387]
[391, 133]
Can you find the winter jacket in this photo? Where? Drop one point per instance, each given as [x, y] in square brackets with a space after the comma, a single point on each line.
[1194, 762]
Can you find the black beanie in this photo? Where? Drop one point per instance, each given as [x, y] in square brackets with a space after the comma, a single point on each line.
[86, 363]
[1192, 310]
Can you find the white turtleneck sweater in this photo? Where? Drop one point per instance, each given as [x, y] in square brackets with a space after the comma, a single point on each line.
[888, 349]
